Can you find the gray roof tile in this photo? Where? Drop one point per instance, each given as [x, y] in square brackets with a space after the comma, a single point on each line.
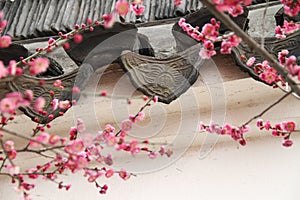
[34, 18]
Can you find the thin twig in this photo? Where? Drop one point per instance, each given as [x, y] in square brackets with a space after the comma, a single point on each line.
[141, 109]
[267, 109]
[263, 24]
[5, 152]
[28, 138]
[3, 163]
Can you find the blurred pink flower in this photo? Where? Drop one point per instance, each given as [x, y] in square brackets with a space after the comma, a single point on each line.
[39, 104]
[177, 2]
[38, 66]
[5, 41]
[138, 9]
[124, 174]
[64, 104]
[3, 70]
[12, 101]
[109, 20]
[126, 125]
[122, 7]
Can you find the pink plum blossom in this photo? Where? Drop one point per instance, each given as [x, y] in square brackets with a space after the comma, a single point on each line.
[73, 133]
[122, 7]
[210, 31]
[287, 28]
[53, 139]
[7, 106]
[155, 99]
[12, 169]
[250, 61]
[42, 138]
[268, 77]
[124, 174]
[109, 128]
[78, 38]
[80, 126]
[57, 83]
[3, 22]
[39, 104]
[287, 143]
[291, 7]
[64, 104]
[75, 90]
[225, 47]
[54, 104]
[134, 147]
[177, 2]
[289, 126]
[9, 145]
[109, 173]
[29, 95]
[75, 147]
[234, 7]
[3, 70]
[140, 116]
[109, 20]
[126, 125]
[12, 68]
[5, 41]
[152, 154]
[138, 9]
[291, 64]
[206, 54]
[38, 66]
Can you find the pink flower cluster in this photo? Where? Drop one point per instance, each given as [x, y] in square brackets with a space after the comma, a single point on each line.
[236, 133]
[109, 20]
[286, 29]
[10, 149]
[11, 70]
[122, 8]
[291, 7]
[289, 62]
[14, 100]
[76, 154]
[283, 129]
[265, 72]
[118, 142]
[5, 40]
[228, 43]
[46, 138]
[73, 154]
[233, 7]
[208, 35]
[137, 7]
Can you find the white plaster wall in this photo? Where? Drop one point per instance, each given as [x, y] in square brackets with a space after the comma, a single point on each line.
[261, 170]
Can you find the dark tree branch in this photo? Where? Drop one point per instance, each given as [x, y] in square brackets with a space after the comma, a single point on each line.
[252, 44]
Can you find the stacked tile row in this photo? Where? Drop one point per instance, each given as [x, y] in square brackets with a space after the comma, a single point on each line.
[37, 18]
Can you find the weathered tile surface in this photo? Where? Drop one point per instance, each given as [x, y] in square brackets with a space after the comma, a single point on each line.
[34, 18]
